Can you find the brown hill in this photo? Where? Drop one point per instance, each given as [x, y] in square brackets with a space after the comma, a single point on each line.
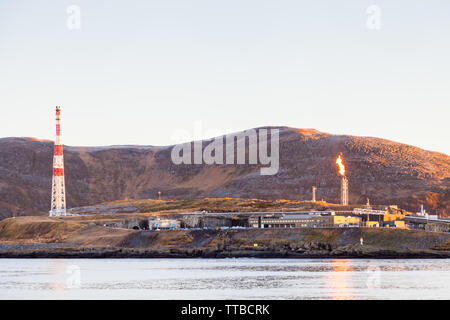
[384, 171]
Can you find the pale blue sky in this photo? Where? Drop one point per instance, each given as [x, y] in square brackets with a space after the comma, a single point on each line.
[138, 71]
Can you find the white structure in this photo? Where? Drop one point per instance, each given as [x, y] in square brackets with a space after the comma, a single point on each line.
[363, 211]
[344, 191]
[58, 206]
[165, 224]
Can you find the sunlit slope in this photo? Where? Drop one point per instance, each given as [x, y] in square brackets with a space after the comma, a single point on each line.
[384, 171]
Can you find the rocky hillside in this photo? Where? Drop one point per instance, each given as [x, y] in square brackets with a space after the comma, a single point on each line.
[384, 171]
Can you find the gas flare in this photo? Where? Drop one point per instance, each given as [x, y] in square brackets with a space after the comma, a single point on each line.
[341, 165]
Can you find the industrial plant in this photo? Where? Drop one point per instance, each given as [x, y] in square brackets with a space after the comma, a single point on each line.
[360, 216]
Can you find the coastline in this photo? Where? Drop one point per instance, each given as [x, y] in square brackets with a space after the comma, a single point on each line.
[36, 237]
[129, 253]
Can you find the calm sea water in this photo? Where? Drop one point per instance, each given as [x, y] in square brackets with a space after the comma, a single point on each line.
[224, 279]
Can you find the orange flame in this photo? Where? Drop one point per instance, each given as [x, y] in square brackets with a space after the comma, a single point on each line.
[341, 165]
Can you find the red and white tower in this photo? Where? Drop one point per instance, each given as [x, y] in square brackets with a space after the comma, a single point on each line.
[58, 207]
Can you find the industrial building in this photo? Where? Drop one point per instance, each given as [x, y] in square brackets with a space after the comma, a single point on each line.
[290, 221]
[343, 221]
[396, 224]
[372, 224]
[301, 221]
[331, 219]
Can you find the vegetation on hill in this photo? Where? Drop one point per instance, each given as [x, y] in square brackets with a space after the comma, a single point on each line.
[210, 205]
[384, 171]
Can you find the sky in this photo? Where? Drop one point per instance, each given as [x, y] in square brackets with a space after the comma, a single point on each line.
[155, 72]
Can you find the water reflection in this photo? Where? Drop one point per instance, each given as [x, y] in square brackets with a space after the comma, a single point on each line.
[57, 272]
[397, 266]
[339, 279]
[224, 279]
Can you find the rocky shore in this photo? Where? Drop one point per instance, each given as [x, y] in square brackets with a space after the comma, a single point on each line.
[42, 237]
[118, 230]
[216, 254]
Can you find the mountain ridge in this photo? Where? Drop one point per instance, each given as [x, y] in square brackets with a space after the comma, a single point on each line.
[303, 131]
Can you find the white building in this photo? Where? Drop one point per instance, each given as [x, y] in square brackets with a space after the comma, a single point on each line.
[163, 224]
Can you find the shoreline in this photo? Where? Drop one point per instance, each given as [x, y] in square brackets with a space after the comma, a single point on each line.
[46, 238]
[122, 253]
